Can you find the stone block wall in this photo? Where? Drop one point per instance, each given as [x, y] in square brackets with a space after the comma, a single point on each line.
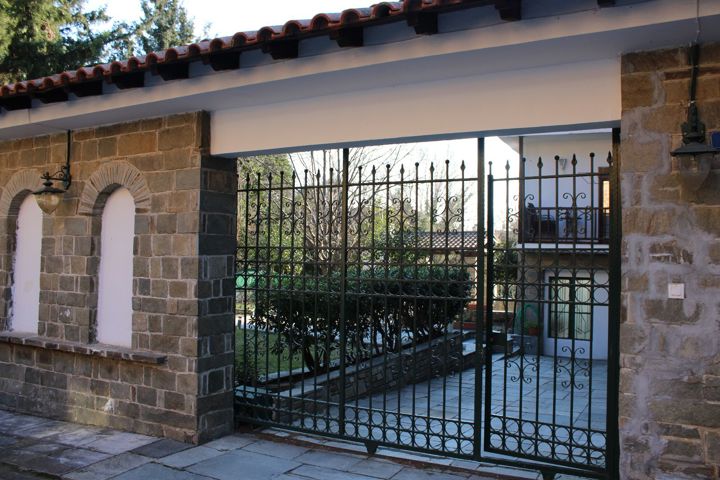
[175, 380]
[670, 348]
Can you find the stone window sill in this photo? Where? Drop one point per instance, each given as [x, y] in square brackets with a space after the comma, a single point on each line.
[95, 349]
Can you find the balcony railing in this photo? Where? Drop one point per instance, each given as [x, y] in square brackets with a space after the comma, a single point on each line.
[565, 225]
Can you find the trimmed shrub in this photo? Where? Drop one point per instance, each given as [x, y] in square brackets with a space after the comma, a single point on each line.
[384, 308]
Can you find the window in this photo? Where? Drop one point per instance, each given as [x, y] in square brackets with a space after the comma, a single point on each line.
[26, 268]
[570, 308]
[114, 316]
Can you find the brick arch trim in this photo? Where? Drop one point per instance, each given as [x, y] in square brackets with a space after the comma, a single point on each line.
[21, 181]
[112, 174]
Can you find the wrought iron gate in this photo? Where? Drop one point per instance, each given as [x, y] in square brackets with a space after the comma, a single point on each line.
[360, 287]
[552, 270]
[355, 279]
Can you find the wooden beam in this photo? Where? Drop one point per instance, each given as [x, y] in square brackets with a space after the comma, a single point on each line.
[224, 60]
[282, 49]
[16, 102]
[52, 96]
[510, 10]
[348, 37]
[87, 89]
[425, 23]
[172, 71]
[128, 80]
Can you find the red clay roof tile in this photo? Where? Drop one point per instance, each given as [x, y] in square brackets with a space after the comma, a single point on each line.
[293, 30]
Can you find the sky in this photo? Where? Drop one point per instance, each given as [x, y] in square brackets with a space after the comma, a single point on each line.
[229, 16]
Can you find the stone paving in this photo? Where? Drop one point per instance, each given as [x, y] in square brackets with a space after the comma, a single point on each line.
[546, 387]
[438, 414]
[33, 448]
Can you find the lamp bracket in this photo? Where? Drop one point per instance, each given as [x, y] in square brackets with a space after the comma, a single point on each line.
[62, 175]
[693, 131]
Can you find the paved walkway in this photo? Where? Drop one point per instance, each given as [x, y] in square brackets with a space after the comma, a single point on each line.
[564, 400]
[33, 448]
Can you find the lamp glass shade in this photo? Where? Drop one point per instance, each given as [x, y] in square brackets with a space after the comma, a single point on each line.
[49, 199]
[694, 163]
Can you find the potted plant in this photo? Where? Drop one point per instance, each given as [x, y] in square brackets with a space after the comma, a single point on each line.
[469, 316]
[531, 327]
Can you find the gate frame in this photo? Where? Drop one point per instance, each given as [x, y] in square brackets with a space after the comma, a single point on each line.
[615, 274]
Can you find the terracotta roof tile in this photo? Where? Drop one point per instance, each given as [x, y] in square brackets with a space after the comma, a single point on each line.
[223, 52]
[441, 242]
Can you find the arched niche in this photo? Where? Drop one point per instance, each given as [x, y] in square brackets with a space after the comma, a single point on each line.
[115, 275]
[25, 290]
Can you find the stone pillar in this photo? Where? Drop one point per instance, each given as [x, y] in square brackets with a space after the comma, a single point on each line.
[216, 295]
[670, 349]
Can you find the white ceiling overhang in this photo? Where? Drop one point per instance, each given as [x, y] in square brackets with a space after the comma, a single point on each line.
[540, 73]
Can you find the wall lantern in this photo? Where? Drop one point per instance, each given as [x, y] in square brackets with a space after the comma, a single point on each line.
[49, 197]
[695, 157]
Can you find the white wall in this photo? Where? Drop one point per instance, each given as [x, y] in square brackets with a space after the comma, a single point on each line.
[114, 319]
[556, 98]
[565, 145]
[26, 268]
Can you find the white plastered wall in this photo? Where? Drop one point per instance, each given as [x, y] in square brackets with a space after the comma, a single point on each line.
[553, 98]
[565, 146]
[26, 268]
[114, 318]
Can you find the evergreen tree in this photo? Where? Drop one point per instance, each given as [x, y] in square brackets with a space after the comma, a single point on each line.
[164, 24]
[168, 25]
[5, 27]
[42, 37]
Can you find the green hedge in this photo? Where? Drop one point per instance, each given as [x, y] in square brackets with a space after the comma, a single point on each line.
[382, 306]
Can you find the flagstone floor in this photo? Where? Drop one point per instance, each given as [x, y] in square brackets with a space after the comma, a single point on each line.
[559, 405]
[34, 448]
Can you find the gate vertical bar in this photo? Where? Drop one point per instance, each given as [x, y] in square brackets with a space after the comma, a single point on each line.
[480, 297]
[613, 380]
[343, 288]
[489, 282]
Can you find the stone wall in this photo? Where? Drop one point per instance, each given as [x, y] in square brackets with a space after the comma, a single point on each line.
[383, 373]
[670, 349]
[175, 381]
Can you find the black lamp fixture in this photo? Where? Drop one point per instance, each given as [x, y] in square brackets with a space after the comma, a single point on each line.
[695, 157]
[49, 197]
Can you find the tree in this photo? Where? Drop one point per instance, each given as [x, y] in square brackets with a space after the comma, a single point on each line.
[259, 205]
[5, 27]
[290, 249]
[370, 197]
[42, 37]
[164, 24]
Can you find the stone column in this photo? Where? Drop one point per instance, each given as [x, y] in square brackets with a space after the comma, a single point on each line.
[670, 348]
[216, 295]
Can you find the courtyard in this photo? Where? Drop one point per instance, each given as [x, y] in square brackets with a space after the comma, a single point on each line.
[556, 409]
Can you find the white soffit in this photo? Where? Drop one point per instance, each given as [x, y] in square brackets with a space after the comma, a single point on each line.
[550, 98]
